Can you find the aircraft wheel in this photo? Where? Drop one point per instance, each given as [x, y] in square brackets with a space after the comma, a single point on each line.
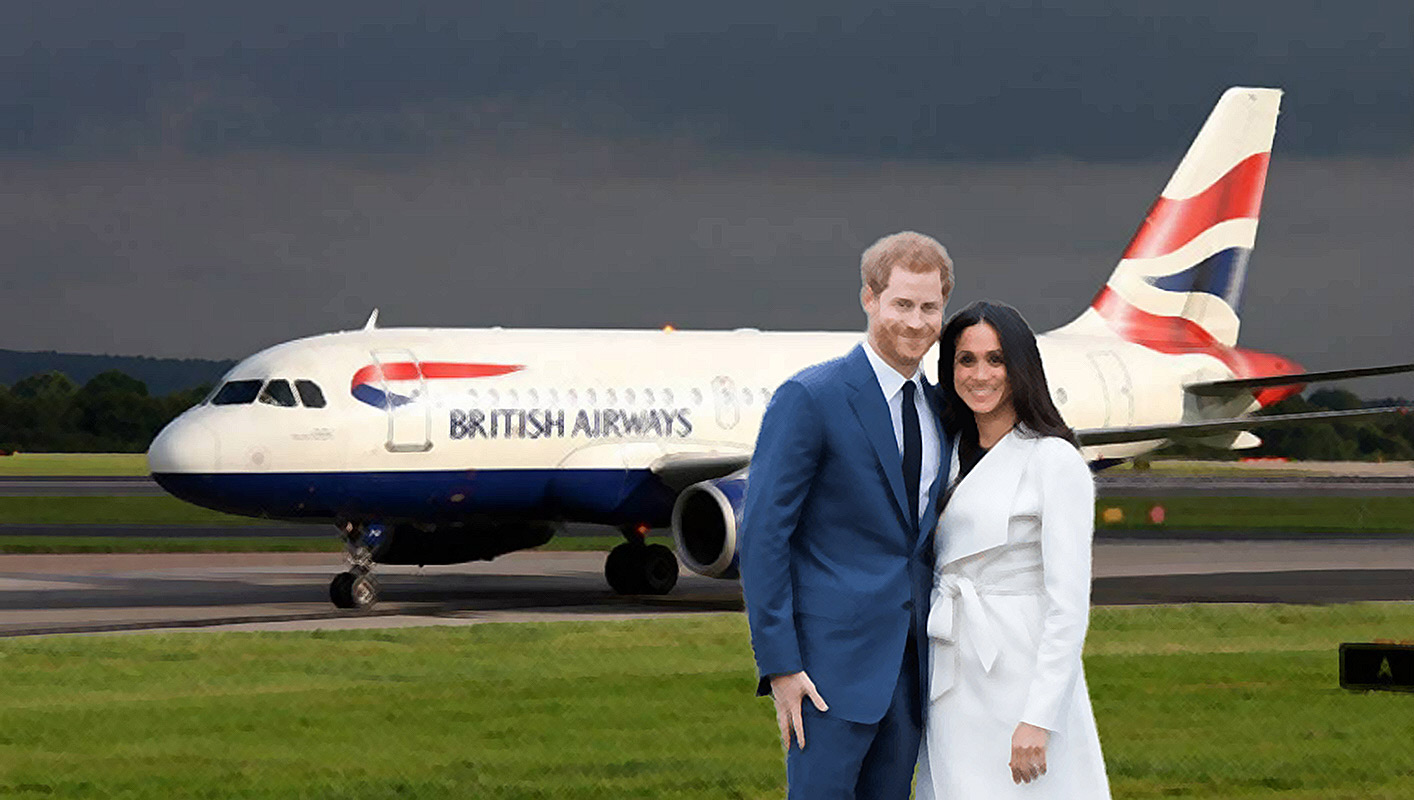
[624, 568]
[355, 590]
[633, 568]
[339, 590]
[660, 569]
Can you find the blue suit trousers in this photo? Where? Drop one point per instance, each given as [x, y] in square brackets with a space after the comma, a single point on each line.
[845, 760]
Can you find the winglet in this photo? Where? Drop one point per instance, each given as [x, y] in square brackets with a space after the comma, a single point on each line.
[372, 322]
[1091, 437]
[1229, 388]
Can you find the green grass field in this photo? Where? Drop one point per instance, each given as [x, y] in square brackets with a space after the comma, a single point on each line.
[238, 544]
[98, 510]
[1266, 513]
[140, 544]
[73, 464]
[1192, 701]
[1293, 514]
[116, 464]
[1344, 515]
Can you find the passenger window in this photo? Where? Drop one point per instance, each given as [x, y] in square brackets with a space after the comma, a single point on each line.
[236, 393]
[648, 396]
[697, 397]
[667, 397]
[278, 393]
[628, 396]
[310, 394]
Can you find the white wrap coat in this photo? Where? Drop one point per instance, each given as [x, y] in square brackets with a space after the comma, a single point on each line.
[1006, 627]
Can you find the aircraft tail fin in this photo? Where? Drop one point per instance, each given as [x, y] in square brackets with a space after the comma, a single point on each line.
[1180, 280]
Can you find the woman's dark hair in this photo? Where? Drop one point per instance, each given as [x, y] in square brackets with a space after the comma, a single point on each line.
[1030, 395]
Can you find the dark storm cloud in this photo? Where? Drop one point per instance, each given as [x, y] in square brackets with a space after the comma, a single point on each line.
[221, 256]
[204, 179]
[1090, 79]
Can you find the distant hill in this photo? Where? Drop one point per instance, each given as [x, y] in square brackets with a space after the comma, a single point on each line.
[162, 375]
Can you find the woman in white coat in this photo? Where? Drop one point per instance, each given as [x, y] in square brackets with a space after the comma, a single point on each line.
[1008, 712]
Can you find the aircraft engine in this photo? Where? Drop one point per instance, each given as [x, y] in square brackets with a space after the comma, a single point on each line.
[706, 523]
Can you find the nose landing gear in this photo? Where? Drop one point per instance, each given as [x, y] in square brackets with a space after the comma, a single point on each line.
[356, 588]
[638, 568]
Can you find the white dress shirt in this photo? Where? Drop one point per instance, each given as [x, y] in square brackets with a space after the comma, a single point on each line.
[891, 383]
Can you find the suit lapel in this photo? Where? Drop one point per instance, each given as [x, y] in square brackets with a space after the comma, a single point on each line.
[872, 411]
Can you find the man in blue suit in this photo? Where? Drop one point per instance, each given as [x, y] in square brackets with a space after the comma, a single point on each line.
[836, 555]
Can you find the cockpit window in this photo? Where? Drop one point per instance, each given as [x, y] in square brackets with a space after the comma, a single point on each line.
[309, 394]
[236, 393]
[278, 393]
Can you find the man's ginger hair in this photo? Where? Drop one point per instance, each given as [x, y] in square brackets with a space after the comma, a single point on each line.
[912, 251]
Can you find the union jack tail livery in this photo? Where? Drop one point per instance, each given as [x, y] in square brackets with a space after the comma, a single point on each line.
[1179, 284]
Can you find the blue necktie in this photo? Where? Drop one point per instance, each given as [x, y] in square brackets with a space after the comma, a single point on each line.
[912, 451]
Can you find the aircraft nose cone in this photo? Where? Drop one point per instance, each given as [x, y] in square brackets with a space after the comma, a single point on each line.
[184, 446]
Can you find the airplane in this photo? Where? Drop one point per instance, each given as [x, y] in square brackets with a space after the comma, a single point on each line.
[454, 445]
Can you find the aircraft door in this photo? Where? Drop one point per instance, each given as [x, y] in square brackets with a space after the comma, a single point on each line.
[725, 399]
[1115, 385]
[408, 406]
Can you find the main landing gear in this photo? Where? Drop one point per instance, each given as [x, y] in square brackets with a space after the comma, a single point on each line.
[356, 588]
[638, 568]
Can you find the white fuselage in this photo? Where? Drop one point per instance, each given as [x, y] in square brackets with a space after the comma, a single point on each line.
[597, 399]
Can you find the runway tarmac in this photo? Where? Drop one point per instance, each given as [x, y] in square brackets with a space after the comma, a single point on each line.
[267, 591]
[1125, 483]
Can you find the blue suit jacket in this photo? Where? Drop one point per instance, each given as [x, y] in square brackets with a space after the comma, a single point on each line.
[834, 574]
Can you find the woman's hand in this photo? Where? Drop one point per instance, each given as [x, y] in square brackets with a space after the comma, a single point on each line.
[1028, 753]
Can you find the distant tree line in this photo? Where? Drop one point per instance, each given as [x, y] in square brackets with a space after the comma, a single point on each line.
[113, 413]
[162, 375]
[1389, 437]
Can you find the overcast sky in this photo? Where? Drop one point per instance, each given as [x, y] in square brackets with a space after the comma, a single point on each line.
[205, 179]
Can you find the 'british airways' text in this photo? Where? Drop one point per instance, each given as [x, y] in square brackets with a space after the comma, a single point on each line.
[540, 423]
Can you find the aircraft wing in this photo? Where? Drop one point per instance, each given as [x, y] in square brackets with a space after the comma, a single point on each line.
[1236, 385]
[678, 471]
[1145, 433]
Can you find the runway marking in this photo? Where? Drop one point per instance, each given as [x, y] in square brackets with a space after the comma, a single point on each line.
[35, 584]
[287, 591]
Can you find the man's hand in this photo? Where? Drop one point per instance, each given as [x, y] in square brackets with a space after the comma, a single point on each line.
[1028, 753]
[789, 692]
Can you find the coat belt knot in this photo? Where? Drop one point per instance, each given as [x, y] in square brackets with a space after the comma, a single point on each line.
[955, 600]
[956, 611]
